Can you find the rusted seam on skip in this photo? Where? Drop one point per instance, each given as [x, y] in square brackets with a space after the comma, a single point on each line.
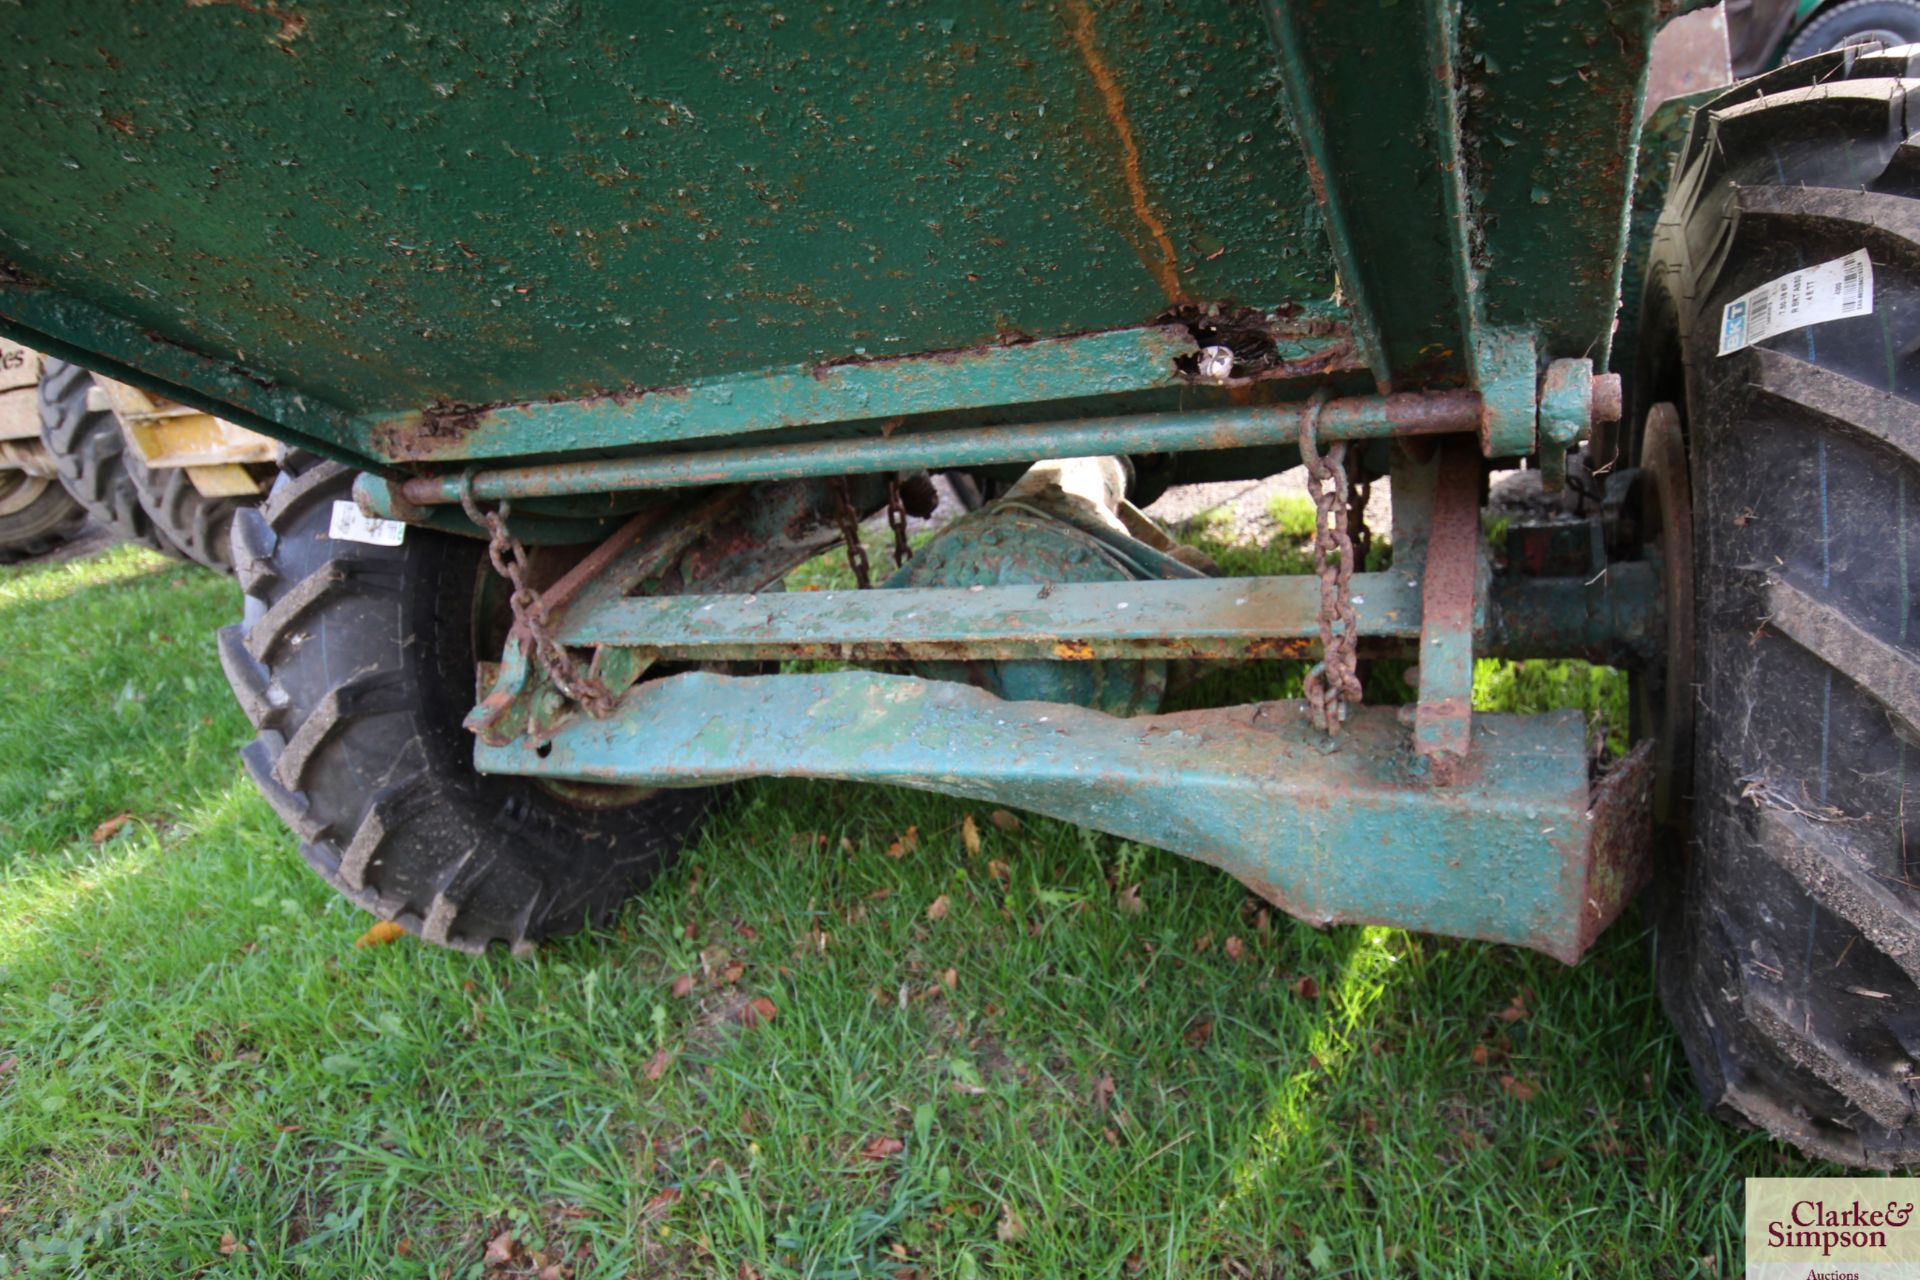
[1167, 270]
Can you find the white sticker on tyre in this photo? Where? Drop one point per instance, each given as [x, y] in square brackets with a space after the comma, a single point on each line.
[1831, 291]
[351, 524]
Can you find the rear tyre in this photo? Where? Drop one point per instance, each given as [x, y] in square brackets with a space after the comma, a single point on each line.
[36, 515]
[1789, 945]
[356, 666]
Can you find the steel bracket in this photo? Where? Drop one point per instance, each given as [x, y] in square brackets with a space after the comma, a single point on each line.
[1504, 850]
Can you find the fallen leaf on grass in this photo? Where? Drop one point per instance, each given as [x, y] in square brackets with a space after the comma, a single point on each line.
[229, 1245]
[657, 1065]
[755, 1011]
[951, 977]
[937, 909]
[998, 869]
[906, 844]
[1129, 900]
[1481, 1055]
[1234, 947]
[1010, 1228]
[111, 827]
[1196, 1035]
[499, 1251]
[732, 973]
[659, 1202]
[1519, 1090]
[970, 836]
[1306, 988]
[882, 1148]
[1004, 820]
[1102, 1094]
[380, 934]
[1514, 1011]
[682, 986]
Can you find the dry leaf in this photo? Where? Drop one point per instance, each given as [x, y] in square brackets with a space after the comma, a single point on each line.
[1010, 1228]
[937, 909]
[657, 1065]
[998, 869]
[1514, 1011]
[1480, 1055]
[111, 827]
[499, 1251]
[951, 977]
[882, 1148]
[380, 935]
[229, 1245]
[1520, 1090]
[1102, 1094]
[732, 974]
[683, 986]
[1306, 988]
[970, 836]
[1196, 1035]
[1004, 820]
[659, 1202]
[1203, 944]
[553, 1271]
[906, 844]
[747, 931]
[758, 1010]
[1234, 947]
[1129, 900]
[1112, 1138]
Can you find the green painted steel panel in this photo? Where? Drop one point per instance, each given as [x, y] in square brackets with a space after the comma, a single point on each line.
[388, 206]
[1499, 854]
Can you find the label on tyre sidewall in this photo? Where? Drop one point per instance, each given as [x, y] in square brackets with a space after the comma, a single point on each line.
[1813, 295]
[1832, 1228]
[351, 524]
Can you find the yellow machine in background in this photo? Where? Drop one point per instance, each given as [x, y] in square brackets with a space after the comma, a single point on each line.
[151, 470]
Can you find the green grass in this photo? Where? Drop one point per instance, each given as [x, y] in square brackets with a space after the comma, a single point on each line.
[193, 1051]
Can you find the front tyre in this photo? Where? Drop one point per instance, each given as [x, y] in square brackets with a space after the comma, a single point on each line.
[356, 665]
[1789, 951]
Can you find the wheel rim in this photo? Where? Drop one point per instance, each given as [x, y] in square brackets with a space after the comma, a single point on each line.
[18, 491]
[1664, 702]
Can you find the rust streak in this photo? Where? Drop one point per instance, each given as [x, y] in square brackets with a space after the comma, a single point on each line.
[1167, 270]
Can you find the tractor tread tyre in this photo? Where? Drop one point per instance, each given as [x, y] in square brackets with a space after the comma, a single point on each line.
[355, 667]
[158, 508]
[1899, 18]
[1788, 940]
[91, 456]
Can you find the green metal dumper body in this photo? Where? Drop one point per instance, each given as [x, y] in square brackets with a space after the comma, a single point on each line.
[577, 254]
[445, 232]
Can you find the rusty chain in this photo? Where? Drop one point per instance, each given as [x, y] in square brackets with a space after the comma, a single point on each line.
[849, 521]
[897, 521]
[530, 611]
[1333, 684]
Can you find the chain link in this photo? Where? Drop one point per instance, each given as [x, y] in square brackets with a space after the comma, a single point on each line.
[530, 611]
[1333, 685]
[897, 521]
[849, 521]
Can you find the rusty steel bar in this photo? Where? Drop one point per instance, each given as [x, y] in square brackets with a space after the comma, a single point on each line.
[1349, 418]
[1186, 618]
[1449, 583]
[1609, 619]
